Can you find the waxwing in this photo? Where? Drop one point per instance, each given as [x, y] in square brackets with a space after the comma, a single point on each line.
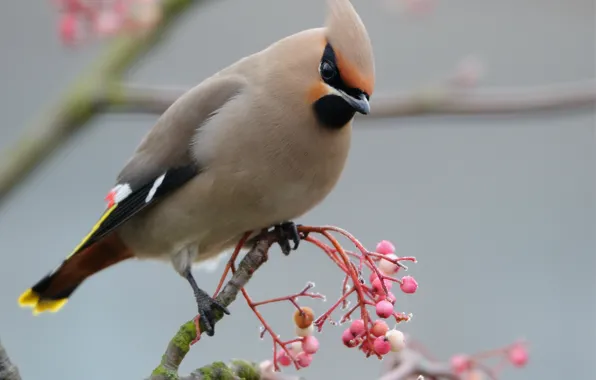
[252, 147]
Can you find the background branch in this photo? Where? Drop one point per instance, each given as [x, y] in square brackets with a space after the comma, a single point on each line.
[8, 371]
[101, 91]
[409, 364]
[134, 98]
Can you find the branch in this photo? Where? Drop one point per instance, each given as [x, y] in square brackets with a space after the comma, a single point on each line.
[8, 371]
[79, 104]
[447, 101]
[101, 92]
[133, 98]
[409, 364]
[187, 334]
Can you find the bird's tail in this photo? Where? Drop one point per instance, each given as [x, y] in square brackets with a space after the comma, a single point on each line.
[52, 291]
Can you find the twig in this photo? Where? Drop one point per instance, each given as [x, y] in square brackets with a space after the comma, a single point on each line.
[180, 344]
[8, 371]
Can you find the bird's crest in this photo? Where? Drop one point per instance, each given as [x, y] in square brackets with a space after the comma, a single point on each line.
[348, 36]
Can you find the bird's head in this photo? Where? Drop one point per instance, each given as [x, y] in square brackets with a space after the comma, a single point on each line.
[346, 72]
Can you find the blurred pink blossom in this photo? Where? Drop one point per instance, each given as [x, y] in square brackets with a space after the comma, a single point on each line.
[419, 6]
[410, 7]
[468, 72]
[105, 18]
[69, 29]
[107, 23]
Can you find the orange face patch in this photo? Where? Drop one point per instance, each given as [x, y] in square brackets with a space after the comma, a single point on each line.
[317, 91]
[352, 77]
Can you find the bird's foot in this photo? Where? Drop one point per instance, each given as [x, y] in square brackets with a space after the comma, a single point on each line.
[207, 307]
[285, 232]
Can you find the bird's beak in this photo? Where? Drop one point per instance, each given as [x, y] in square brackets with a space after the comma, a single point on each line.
[360, 104]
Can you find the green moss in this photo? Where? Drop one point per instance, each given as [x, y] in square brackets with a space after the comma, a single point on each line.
[184, 336]
[164, 373]
[206, 372]
[245, 370]
[217, 371]
[78, 104]
[114, 93]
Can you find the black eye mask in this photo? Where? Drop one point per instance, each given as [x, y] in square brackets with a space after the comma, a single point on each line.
[327, 66]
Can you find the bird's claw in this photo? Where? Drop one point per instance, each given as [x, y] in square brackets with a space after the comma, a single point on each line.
[207, 306]
[285, 232]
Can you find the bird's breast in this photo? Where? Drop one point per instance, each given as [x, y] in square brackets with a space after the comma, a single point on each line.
[264, 162]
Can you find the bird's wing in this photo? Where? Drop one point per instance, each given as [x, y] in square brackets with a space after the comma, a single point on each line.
[162, 162]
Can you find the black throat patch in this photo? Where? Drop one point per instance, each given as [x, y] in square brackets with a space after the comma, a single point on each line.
[332, 110]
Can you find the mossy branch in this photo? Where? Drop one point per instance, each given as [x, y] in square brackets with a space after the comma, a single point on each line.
[235, 370]
[83, 99]
[180, 343]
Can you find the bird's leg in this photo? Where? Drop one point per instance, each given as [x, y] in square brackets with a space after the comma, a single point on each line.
[206, 305]
[285, 232]
[182, 262]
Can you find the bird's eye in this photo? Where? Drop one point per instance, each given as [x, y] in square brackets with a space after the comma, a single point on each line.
[327, 70]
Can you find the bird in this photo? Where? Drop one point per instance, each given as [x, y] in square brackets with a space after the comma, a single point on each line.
[254, 146]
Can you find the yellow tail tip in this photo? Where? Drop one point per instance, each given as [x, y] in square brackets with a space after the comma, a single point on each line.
[31, 299]
[28, 298]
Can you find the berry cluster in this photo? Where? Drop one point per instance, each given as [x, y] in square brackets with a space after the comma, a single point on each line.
[379, 339]
[373, 337]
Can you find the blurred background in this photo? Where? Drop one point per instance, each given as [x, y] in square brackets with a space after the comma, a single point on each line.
[498, 209]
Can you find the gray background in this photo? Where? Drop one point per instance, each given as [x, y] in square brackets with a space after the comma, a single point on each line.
[499, 210]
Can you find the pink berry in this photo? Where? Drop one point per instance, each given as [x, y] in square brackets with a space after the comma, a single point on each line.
[304, 359]
[348, 338]
[396, 340]
[408, 284]
[310, 345]
[385, 247]
[460, 364]
[295, 348]
[518, 355]
[365, 347]
[379, 328]
[372, 277]
[357, 327]
[377, 286]
[384, 309]
[391, 298]
[283, 359]
[387, 267]
[381, 345]
[382, 296]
